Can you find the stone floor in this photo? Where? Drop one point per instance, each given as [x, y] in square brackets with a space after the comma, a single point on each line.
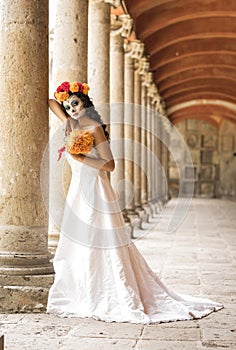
[198, 258]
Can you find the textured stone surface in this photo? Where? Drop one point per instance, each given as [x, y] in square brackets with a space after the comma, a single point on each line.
[215, 332]
[24, 120]
[117, 109]
[24, 117]
[70, 41]
[98, 52]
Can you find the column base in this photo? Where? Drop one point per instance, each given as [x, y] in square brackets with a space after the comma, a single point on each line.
[53, 239]
[128, 225]
[134, 218]
[158, 206]
[142, 214]
[26, 269]
[147, 211]
[28, 293]
[152, 207]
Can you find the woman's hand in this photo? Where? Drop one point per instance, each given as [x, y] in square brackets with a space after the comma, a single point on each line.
[79, 157]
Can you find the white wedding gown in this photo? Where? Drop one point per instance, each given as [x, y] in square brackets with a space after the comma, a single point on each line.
[99, 272]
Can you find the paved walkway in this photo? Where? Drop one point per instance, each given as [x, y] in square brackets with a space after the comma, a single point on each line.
[198, 258]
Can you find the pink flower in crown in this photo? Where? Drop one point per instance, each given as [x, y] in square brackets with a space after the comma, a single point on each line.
[64, 87]
[80, 85]
[59, 89]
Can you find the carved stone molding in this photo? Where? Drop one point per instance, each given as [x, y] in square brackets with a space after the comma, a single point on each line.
[155, 97]
[121, 25]
[114, 3]
[161, 108]
[143, 66]
[134, 48]
[148, 80]
[152, 90]
[157, 100]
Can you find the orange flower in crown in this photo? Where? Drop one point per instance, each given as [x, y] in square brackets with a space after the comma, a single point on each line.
[66, 89]
[86, 88]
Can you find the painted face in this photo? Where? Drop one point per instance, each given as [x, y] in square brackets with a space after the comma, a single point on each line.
[74, 106]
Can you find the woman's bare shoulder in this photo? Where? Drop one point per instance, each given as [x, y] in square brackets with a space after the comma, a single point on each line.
[95, 127]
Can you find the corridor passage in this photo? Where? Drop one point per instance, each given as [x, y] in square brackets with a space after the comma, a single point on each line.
[198, 259]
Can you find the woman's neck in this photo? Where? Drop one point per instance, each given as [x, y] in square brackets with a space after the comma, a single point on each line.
[81, 122]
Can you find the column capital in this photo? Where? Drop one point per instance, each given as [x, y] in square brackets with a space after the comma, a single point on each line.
[142, 66]
[148, 80]
[114, 3]
[157, 99]
[134, 48]
[161, 108]
[152, 91]
[121, 25]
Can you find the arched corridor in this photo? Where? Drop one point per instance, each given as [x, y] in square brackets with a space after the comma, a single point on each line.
[162, 74]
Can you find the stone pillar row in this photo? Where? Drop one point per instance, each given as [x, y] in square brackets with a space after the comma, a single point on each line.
[122, 90]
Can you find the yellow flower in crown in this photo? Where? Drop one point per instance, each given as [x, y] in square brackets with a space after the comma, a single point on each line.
[86, 88]
[74, 87]
[61, 96]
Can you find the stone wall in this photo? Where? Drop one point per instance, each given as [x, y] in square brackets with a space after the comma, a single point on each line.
[214, 164]
[227, 156]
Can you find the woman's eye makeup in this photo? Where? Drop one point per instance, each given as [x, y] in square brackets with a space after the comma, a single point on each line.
[73, 104]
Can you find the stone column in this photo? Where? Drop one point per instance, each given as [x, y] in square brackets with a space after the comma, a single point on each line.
[137, 138]
[149, 142]
[165, 161]
[160, 180]
[120, 28]
[152, 158]
[144, 66]
[69, 63]
[164, 156]
[129, 133]
[154, 155]
[98, 54]
[25, 268]
[137, 131]
[144, 162]
[70, 41]
[148, 150]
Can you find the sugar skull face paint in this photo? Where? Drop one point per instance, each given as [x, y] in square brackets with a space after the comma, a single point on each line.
[74, 106]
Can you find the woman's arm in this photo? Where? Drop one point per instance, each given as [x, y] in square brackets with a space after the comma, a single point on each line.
[99, 164]
[56, 109]
[106, 161]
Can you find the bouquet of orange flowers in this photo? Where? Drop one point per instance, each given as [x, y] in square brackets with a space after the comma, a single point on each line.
[78, 142]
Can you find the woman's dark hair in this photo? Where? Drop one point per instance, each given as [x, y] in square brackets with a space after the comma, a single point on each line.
[91, 112]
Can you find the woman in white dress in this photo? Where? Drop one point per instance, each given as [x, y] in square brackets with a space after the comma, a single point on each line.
[99, 272]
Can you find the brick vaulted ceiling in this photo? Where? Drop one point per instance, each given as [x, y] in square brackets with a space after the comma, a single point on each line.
[191, 45]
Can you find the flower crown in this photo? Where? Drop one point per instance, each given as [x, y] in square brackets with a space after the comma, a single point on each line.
[62, 92]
